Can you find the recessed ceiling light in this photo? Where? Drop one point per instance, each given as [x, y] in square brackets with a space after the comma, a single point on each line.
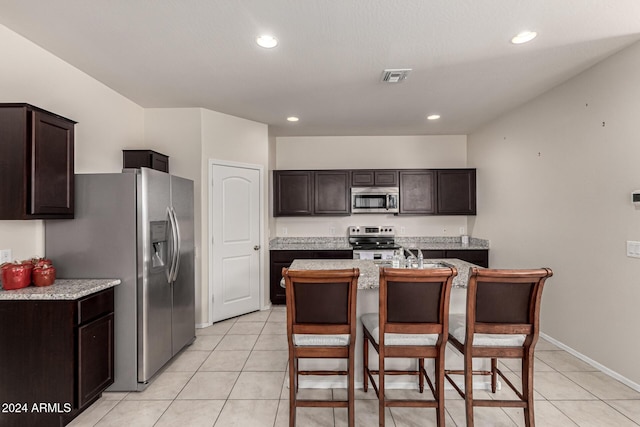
[293, 119]
[523, 37]
[267, 41]
[433, 117]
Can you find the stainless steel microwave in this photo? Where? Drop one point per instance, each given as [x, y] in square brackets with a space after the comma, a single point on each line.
[375, 199]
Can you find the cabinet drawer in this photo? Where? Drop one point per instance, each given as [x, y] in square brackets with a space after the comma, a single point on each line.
[94, 306]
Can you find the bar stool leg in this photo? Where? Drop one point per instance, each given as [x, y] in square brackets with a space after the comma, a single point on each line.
[381, 419]
[468, 388]
[293, 375]
[494, 374]
[527, 388]
[439, 373]
[351, 388]
[365, 364]
[420, 373]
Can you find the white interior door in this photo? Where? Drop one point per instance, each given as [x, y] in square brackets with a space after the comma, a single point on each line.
[235, 246]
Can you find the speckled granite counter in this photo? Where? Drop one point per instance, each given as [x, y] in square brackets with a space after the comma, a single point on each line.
[309, 244]
[369, 271]
[62, 289]
[441, 243]
[342, 243]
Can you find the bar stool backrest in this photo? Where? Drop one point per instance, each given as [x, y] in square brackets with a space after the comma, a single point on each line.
[417, 297]
[505, 301]
[321, 301]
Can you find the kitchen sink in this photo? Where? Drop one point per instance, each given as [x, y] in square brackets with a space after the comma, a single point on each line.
[425, 265]
[435, 265]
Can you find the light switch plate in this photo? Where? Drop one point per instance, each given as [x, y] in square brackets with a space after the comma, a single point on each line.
[5, 256]
[633, 249]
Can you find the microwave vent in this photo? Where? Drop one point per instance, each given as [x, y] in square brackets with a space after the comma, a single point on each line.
[395, 75]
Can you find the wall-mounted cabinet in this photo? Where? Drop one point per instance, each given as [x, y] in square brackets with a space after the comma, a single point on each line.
[417, 192]
[293, 193]
[328, 192]
[438, 192]
[374, 178]
[456, 191]
[36, 163]
[331, 195]
[304, 193]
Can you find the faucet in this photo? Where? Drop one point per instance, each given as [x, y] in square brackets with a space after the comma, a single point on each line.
[414, 261]
[418, 251]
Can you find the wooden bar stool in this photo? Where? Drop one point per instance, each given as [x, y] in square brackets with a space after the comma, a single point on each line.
[502, 321]
[412, 323]
[321, 311]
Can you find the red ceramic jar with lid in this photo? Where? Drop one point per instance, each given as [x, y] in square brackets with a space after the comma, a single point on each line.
[44, 275]
[16, 275]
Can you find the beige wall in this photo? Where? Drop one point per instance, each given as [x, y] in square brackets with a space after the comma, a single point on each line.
[177, 132]
[555, 178]
[374, 152]
[233, 139]
[107, 121]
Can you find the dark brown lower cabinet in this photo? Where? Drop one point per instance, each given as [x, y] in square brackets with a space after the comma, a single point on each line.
[284, 258]
[474, 256]
[56, 358]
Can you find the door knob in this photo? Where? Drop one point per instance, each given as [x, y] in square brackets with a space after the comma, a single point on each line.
[256, 248]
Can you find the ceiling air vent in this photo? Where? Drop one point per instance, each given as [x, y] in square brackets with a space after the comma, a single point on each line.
[395, 75]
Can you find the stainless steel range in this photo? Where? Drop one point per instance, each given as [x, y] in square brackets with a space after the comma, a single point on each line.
[373, 242]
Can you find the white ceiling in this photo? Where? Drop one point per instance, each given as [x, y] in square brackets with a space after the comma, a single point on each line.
[327, 66]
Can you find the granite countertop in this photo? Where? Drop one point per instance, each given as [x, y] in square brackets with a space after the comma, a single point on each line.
[309, 244]
[342, 243]
[62, 289]
[369, 271]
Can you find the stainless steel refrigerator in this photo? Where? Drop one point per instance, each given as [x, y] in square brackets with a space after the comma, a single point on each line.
[136, 226]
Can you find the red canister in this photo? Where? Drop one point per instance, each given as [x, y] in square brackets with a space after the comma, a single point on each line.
[16, 275]
[44, 275]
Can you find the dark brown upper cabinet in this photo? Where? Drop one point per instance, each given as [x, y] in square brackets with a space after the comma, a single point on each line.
[456, 191]
[36, 163]
[418, 192]
[300, 193]
[374, 178]
[328, 192]
[331, 195]
[438, 192]
[292, 193]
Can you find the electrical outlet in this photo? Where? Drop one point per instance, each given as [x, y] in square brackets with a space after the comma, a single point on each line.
[461, 230]
[633, 249]
[284, 231]
[402, 230]
[332, 231]
[444, 230]
[5, 256]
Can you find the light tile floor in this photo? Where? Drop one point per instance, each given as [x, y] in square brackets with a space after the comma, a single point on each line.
[234, 374]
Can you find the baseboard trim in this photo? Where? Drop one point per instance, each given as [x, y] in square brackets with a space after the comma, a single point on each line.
[613, 374]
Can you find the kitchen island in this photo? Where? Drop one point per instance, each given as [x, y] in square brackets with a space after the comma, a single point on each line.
[284, 250]
[367, 302]
[57, 350]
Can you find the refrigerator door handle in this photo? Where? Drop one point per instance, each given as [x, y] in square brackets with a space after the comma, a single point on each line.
[178, 246]
[172, 247]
